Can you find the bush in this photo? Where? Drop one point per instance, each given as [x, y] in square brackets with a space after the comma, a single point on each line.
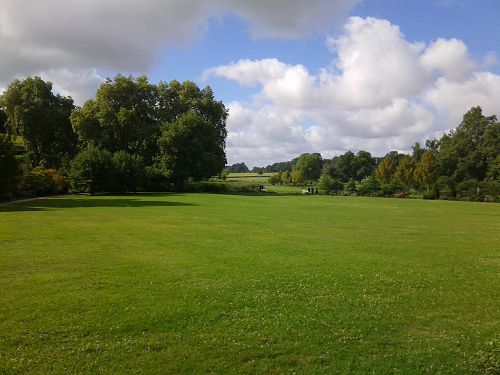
[392, 188]
[370, 186]
[350, 188]
[41, 181]
[92, 171]
[128, 172]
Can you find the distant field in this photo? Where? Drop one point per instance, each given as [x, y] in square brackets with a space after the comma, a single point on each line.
[249, 177]
[235, 284]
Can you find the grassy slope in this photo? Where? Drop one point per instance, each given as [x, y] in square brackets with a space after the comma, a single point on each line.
[244, 284]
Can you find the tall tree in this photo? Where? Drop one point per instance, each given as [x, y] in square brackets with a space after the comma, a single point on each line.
[309, 165]
[363, 165]
[343, 166]
[426, 171]
[122, 117]
[191, 147]
[385, 170]
[464, 152]
[41, 118]
[405, 171]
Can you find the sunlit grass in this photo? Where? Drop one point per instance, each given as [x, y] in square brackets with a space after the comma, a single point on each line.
[196, 283]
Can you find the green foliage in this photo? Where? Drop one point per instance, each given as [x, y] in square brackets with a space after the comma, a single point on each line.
[393, 187]
[405, 172]
[3, 122]
[297, 177]
[363, 165]
[370, 186]
[426, 171]
[191, 147]
[309, 166]
[238, 168]
[325, 183]
[275, 179]
[350, 187]
[128, 172]
[44, 181]
[385, 170]
[92, 171]
[123, 116]
[41, 118]
[343, 166]
[10, 169]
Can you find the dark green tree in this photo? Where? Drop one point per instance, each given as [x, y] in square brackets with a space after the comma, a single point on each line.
[309, 165]
[122, 117]
[343, 166]
[92, 171]
[191, 147]
[128, 171]
[41, 118]
[10, 171]
[363, 165]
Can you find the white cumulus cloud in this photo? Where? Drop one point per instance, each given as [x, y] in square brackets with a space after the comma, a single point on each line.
[383, 93]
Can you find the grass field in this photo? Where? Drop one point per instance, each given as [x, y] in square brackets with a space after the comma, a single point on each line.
[199, 283]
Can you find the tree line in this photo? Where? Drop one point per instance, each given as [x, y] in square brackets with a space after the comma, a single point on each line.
[132, 136]
[463, 164]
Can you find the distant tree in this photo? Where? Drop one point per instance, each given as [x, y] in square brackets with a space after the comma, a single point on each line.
[285, 177]
[385, 170]
[309, 165]
[191, 147]
[350, 187]
[343, 166]
[370, 186]
[10, 171]
[297, 177]
[405, 171]
[275, 178]
[464, 153]
[326, 183]
[426, 171]
[417, 152]
[363, 165]
[238, 168]
[41, 118]
[92, 171]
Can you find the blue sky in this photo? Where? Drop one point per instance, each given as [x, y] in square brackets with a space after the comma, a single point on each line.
[317, 76]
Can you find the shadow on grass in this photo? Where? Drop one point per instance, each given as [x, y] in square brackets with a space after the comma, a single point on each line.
[51, 203]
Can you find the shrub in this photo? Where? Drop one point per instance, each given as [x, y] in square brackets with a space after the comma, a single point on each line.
[370, 186]
[127, 172]
[41, 181]
[92, 171]
[350, 188]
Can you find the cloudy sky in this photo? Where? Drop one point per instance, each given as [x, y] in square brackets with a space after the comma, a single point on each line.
[297, 76]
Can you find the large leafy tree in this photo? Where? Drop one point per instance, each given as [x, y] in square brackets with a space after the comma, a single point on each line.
[464, 153]
[343, 166]
[122, 117]
[405, 171]
[309, 165]
[363, 165]
[191, 147]
[41, 118]
[426, 171]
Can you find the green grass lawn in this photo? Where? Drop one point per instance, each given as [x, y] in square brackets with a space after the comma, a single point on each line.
[199, 283]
